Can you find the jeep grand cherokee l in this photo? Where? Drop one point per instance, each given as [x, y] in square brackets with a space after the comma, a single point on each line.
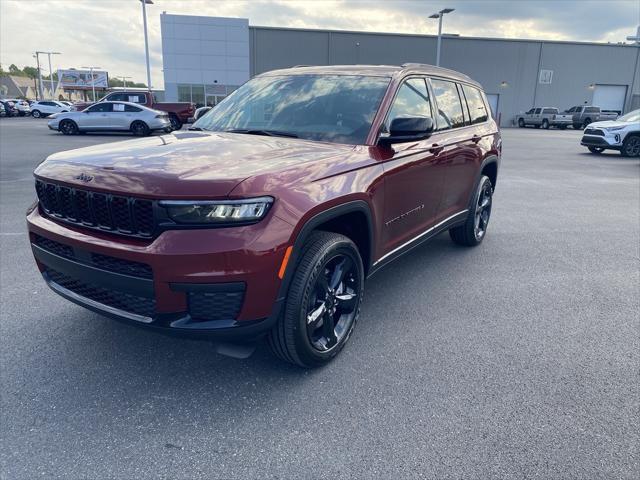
[267, 217]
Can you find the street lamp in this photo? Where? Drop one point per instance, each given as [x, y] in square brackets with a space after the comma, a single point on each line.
[50, 71]
[146, 40]
[93, 80]
[439, 16]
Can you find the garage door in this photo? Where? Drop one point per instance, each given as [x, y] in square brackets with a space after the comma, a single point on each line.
[610, 97]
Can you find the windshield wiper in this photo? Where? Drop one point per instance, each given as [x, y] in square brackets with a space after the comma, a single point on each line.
[267, 133]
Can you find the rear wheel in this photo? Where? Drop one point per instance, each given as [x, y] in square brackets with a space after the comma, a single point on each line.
[597, 150]
[521, 122]
[36, 113]
[631, 146]
[586, 123]
[68, 127]
[473, 231]
[577, 126]
[323, 302]
[545, 124]
[176, 124]
[140, 129]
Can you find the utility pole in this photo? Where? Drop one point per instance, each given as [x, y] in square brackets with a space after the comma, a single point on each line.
[439, 16]
[146, 40]
[37, 57]
[50, 71]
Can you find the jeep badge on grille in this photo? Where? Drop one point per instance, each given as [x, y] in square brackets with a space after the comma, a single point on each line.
[83, 177]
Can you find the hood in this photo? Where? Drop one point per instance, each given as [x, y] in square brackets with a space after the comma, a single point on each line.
[181, 165]
[608, 123]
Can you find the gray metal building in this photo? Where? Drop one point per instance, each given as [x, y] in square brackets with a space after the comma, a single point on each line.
[516, 74]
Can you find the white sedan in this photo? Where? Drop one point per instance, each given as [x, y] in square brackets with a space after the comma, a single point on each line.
[622, 134]
[112, 117]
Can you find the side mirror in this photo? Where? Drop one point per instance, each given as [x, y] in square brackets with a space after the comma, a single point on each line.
[408, 129]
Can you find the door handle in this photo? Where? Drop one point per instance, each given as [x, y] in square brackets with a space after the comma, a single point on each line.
[476, 138]
[436, 149]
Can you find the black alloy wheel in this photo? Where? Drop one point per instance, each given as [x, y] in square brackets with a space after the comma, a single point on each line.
[631, 146]
[331, 308]
[474, 229]
[176, 124]
[68, 127]
[139, 128]
[323, 301]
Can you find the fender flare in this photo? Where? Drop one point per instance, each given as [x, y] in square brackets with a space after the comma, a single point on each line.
[311, 224]
[487, 161]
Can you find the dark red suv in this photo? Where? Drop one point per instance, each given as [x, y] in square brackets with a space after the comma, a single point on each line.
[269, 214]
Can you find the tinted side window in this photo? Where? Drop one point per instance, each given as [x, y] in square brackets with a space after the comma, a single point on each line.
[477, 109]
[550, 110]
[131, 108]
[591, 110]
[100, 107]
[537, 111]
[449, 106]
[412, 100]
[117, 97]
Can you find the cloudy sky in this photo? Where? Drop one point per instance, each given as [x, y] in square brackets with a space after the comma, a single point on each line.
[108, 33]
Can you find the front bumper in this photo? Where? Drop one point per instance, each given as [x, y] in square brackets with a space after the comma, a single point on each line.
[607, 140]
[219, 283]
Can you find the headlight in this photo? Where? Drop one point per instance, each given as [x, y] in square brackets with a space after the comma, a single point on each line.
[613, 129]
[207, 212]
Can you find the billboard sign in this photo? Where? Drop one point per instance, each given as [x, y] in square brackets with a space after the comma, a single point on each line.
[83, 79]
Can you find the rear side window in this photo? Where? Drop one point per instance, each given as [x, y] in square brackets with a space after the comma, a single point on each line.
[100, 107]
[477, 108]
[537, 111]
[550, 110]
[412, 100]
[131, 108]
[449, 106]
[117, 97]
[591, 110]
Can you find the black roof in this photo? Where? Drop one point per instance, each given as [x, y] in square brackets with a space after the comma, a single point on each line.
[374, 70]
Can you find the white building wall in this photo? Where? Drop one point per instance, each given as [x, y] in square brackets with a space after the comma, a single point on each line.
[204, 55]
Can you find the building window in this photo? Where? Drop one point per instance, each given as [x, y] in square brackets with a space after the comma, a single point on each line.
[184, 93]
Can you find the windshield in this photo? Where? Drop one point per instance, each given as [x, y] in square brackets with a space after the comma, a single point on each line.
[328, 108]
[633, 116]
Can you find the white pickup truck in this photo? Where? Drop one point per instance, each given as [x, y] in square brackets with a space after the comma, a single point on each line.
[544, 117]
[622, 134]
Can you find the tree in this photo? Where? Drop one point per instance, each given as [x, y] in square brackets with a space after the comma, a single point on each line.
[31, 72]
[14, 70]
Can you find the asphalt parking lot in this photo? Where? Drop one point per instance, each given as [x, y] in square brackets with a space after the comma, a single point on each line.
[516, 359]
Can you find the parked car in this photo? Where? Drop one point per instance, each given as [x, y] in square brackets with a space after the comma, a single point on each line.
[200, 112]
[622, 134]
[267, 218]
[10, 108]
[179, 112]
[111, 116]
[583, 115]
[21, 106]
[544, 117]
[47, 107]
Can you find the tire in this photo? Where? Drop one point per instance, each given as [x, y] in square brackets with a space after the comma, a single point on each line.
[631, 146]
[521, 123]
[469, 233]
[140, 129]
[68, 127]
[586, 123]
[36, 113]
[545, 124]
[176, 124]
[298, 339]
[168, 130]
[577, 126]
[597, 150]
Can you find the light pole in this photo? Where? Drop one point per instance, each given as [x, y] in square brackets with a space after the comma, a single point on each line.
[39, 76]
[50, 71]
[439, 16]
[146, 40]
[93, 81]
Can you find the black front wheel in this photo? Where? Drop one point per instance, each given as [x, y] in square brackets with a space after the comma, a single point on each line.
[545, 124]
[631, 146]
[323, 302]
[140, 129]
[68, 127]
[473, 231]
[521, 122]
[176, 124]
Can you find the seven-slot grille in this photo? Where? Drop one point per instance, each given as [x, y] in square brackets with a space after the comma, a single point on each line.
[112, 213]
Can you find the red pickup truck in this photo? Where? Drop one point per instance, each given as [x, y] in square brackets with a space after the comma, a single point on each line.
[179, 112]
